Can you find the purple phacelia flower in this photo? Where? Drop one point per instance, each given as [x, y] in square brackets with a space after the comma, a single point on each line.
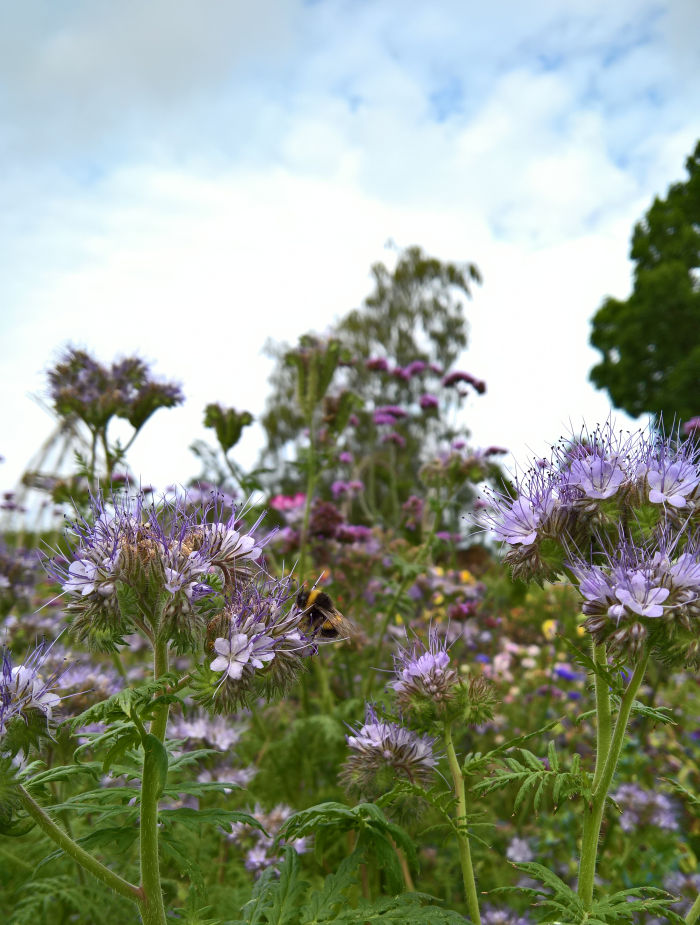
[162, 554]
[672, 483]
[379, 746]
[598, 477]
[259, 642]
[642, 807]
[28, 688]
[395, 438]
[518, 524]
[345, 457]
[424, 672]
[692, 427]
[428, 401]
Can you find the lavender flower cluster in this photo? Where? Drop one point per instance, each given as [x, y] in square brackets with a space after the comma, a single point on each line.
[27, 696]
[188, 578]
[261, 852]
[81, 386]
[620, 514]
[429, 693]
[640, 807]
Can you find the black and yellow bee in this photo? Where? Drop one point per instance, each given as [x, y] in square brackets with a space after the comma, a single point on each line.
[322, 615]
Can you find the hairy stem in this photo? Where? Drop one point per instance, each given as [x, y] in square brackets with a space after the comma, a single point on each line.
[594, 811]
[152, 906]
[694, 914]
[73, 849]
[465, 855]
[603, 719]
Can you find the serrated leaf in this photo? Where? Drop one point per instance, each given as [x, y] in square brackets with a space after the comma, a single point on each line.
[156, 760]
[323, 904]
[657, 714]
[129, 740]
[194, 819]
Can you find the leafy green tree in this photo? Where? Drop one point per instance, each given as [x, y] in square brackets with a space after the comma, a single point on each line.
[650, 343]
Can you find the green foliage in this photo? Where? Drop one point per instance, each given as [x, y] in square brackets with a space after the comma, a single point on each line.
[53, 899]
[287, 901]
[376, 835]
[536, 776]
[415, 314]
[139, 702]
[227, 424]
[650, 343]
[559, 904]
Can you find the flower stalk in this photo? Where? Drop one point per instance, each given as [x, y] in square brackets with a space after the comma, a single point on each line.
[465, 857]
[694, 914]
[152, 906]
[73, 850]
[594, 812]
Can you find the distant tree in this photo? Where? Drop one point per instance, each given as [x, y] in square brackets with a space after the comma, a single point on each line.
[391, 403]
[651, 342]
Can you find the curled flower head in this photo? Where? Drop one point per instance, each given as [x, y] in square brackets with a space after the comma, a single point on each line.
[382, 751]
[257, 643]
[593, 483]
[636, 594]
[424, 674]
[27, 698]
[147, 566]
[79, 385]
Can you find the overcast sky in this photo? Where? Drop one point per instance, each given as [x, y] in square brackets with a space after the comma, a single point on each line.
[185, 179]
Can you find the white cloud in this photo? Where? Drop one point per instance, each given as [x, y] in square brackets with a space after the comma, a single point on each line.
[187, 182]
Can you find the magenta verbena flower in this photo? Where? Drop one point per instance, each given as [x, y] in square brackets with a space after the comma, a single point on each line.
[379, 746]
[428, 401]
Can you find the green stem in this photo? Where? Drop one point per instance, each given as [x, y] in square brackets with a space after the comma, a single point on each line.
[465, 856]
[603, 718]
[319, 668]
[594, 811]
[152, 906]
[310, 485]
[694, 914]
[73, 850]
[391, 611]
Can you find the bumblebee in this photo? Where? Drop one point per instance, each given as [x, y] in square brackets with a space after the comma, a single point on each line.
[322, 615]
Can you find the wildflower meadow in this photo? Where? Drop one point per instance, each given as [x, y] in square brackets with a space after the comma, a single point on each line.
[376, 678]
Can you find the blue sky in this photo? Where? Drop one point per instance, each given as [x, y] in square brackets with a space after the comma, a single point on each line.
[186, 180]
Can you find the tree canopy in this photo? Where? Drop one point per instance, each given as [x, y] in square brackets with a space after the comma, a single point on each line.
[650, 343]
